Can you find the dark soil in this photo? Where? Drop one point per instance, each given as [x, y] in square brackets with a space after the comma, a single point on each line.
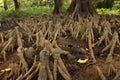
[87, 71]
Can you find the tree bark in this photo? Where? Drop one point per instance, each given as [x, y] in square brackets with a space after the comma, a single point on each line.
[58, 6]
[82, 8]
[16, 4]
[39, 2]
[5, 5]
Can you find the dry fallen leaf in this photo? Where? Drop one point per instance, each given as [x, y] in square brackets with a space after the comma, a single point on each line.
[6, 70]
[93, 45]
[86, 49]
[82, 61]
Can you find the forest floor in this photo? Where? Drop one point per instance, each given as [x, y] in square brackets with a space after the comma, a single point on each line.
[78, 48]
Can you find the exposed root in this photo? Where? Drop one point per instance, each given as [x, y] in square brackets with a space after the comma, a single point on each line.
[103, 37]
[77, 29]
[43, 71]
[88, 28]
[106, 32]
[90, 47]
[2, 37]
[23, 63]
[100, 73]
[31, 72]
[58, 63]
[57, 29]
[6, 47]
[34, 66]
[94, 59]
[111, 45]
[19, 40]
[39, 39]
[117, 77]
[111, 69]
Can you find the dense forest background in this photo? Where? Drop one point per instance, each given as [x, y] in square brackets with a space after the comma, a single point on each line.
[37, 7]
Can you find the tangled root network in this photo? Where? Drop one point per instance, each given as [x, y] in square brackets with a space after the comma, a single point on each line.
[34, 41]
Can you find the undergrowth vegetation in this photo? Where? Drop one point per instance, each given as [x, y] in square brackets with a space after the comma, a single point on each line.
[108, 11]
[35, 11]
[114, 10]
[28, 11]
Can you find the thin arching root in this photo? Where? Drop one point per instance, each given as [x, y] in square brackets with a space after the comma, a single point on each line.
[90, 48]
[48, 31]
[94, 60]
[2, 37]
[100, 73]
[57, 30]
[88, 27]
[49, 73]
[3, 52]
[76, 30]
[111, 45]
[33, 73]
[117, 76]
[111, 69]
[65, 76]
[31, 69]
[20, 77]
[64, 69]
[104, 37]
[40, 39]
[58, 63]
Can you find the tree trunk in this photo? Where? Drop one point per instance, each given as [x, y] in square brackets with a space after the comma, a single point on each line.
[39, 2]
[58, 6]
[5, 5]
[16, 4]
[81, 7]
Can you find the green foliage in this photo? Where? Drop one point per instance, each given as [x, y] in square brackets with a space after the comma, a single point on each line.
[67, 2]
[116, 4]
[114, 10]
[28, 11]
[108, 11]
[1, 3]
[29, 8]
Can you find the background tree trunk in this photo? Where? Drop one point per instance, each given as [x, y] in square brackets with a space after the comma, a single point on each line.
[72, 6]
[39, 2]
[58, 6]
[5, 5]
[16, 4]
[81, 7]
